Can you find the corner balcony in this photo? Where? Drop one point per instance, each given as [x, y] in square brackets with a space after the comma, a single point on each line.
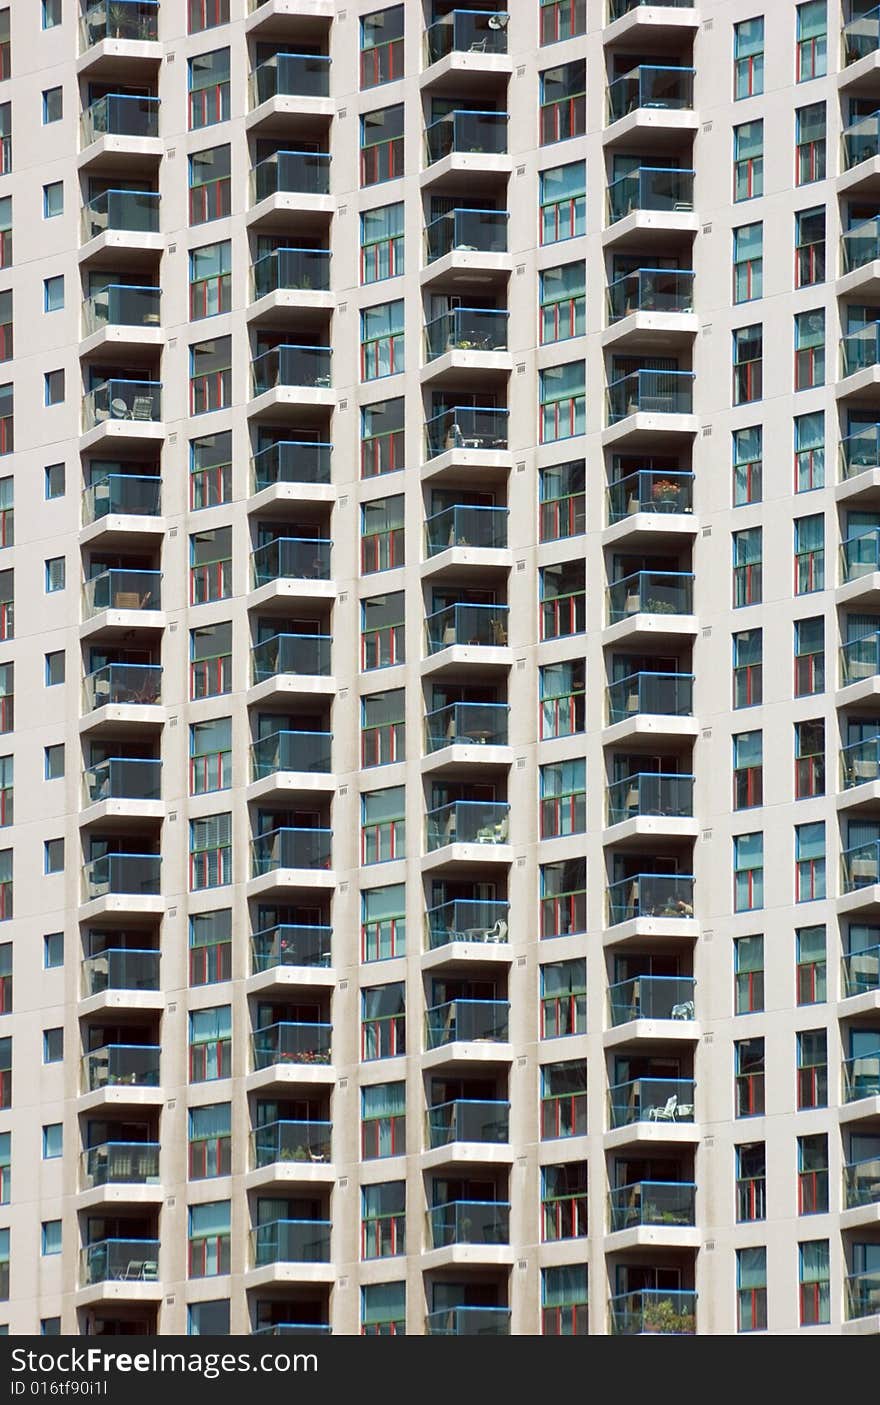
[466, 734]
[662, 1205]
[478, 829]
[656, 703]
[654, 796]
[122, 496]
[480, 1128]
[296, 566]
[861, 1183]
[860, 36]
[289, 664]
[860, 765]
[122, 315]
[479, 332]
[121, 599]
[290, 464]
[859, 361]
[860, 877]
[860, 663]
[653, 998]
[130, 692]
[122, 413]
[653, 1312]
[651, 305]
[284, 16]
[860, 159]
[468, 143]
[859, 567]
[467, 437]
[123, 1066]
[649, 403]
[289, 857]
[122, 220]
[292, 375]
[859, 255]
[862, 1291]
[471, 1222]
[125, 788]
[651, 503]
[652, 895]
[468, 1322]
[290, 182]
[467, 241]
[120, 1164]
[303, 752]
[859, 467]
[657, 98]
[128, 883]
[291, 1242]
[648, 604]
[479, 632]
[120, 125]
[289, 84]
[129, 1263]
[647, 18]
[476, 925]
[292, 1042]
[651, 198]
[861, 1078]
[485, 1022]
[297, 947]
[861, 971]
[652, 1109]
[478, 34]
[121, 969]
[291, 1146]
[465, 539]
[296, 278]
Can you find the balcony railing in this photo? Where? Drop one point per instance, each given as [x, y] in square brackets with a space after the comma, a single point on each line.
[118, 589]
[660, 694]
[468, 822]
[291, 1241]
[123, 778]
[123, 1260]
[618, 8]
[860, 762]
[484, 527]
[651, 593]
[468, 920]
[120, 115]
[465, 32]
[290, 944]
[291, 172]
[469, 1222]
[860, 658]
[468, 1322]
[649, 793]
[290, 75]
[651, 188]
[667, 87]
[297, 270]
[860, 451]
[861, 36]
[468, 1120]
[476, 625]
[291, 1141]
[651, 998]
[292, 461]
[119, 19]
[861, 1182]
[466, 427]
[467, 231]
[126, 494]
[651, 393]
[859, 245]
[292, 1042]
[860, 349]
[122, 400]
[292, 558]
[291, 848]
[291, 751]
[861, 1076]
[307, 654]
[651, 895]
[123, 683]
[122, 305]
[670, 1203]
[464, 1020]
[121, 1065]
[133, 874]
[133, 211]
[651, 290]
[862, 1295]
[650, 490]
[860, 555]
[653, 1311]
[121, 968]
[467, 724]
[861, 971]
[467, 329]
[290, 1329]
[477, 133]
[120, 1163]
[291, 365]
[651, 1100]
[860, 866]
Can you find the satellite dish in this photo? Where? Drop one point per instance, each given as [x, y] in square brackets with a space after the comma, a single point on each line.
[499, 21]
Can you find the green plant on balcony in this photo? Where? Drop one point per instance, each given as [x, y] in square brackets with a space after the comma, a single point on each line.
[666, 491]
[661, 607]
[661, 1317]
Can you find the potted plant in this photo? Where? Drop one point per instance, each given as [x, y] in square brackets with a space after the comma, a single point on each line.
[660, 1318]
[666, 493]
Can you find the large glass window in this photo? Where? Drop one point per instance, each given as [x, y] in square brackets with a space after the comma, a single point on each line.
[748, 58]
[563, 202]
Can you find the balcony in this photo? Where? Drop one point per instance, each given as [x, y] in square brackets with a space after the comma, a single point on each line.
[651, 694]
[119, 1260]
[651, 895]
[290, 75]
[665, 87]
[291, 558]
[300, 1142]
[291, 461]
[466, 427]
[861, 971]
[469, 1222]
[291, 173]
[291, 1042]
[291, 1241]
[649, 392]
[860, 866]
[291, 270]
[860, 659]
[484, 528]
[299, 366]
[472, 32]
[861, 1183]
[618, 8]
[293, 1329]
[651, 593]
[860, 452]
[466, 724]
[466, 329]
[650, 793]
[121, 968]
[121, 212]
[122, 778]
[130, 401]
[484, 822]
[120, 115]
[466, 1021]
[291, 751]
[120, 1163]
[468, 920]
[658, 1100]
[290, 945]
[479, 626]
[862, 1295]
[121, 1065]
[291, 848]
[859, 246]
[653, 1312]
[669, 1204]
[468, 1120]
[133, 20]
[304, 654]
[860, 350]
[123, 684]
[478, 134]
[124, 874]
[118, 589]
[651, 998]
[860, 762]
[122, 495]
[669, 291]
[122, 305]
[861, 1076]
[654, 188]
[467, 232]
[468, 1322]
[652, 491]
[861, 36]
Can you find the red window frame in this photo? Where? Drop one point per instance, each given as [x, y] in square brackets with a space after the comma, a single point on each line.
[809, 775]
[369, 939]
[215, 1054]
[553, 1120]
[373, 59]
[374, 744]
[384, 829]
[374, 449]
[567, 1320]
[377, 167]
[222, 665]
[559, 1016]
[372, 551]
[554, 624]
[812, 1192]
[388, 1032]
[805, 359]
[810, 161]
[219, 476]
[198, 1255]
[210, 964]
[570, 219]
[805, 666]
[564, 118]
[208, 13]
[395, 648]
[564, 1217]
[750, 1094]
[205, 1152]
[388, 1236]
[575, 901]
[553, 11]
[212, 200]
[370, 1142]
[569, 702]
[210, 100]
[558, 517]
[552, 811]
[210, 392]
[200, 867]
[748, 786]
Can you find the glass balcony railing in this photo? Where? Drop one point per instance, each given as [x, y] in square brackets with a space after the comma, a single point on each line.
[121, 1065]
[476, 625]
[651, 895]
[651, 593]
[125, 494]
[122, 400]
[861, 1182]
[290, 75]
[120, 115]
[651, 1100]
[292, 1042]
[651, 188]
[122, 305]
[860, 349]
[484, 527]
[464, 1020]
[467, 329]
[119, 1260]
[658, 694]
[291, 1141]
[860, 866]
[467, 231]
[120, 1163]
[132, 874]
[118, 589]
[307, 654]
[292, 461]
[123, 778]
[121, 968]
[860, 762]
[291, 848]
[123, 683]
[290, 1329]
[651, 393]
[861, 1076]
[861, 36]
[475, 133]
[290, 944]
[618, 8]
[291, 751]
[467, 724]
[468, 822]
[862, 1295]
[651, 998]
[860, 555]
[295, 270]
[291, 365]
[292, 558]
[119, 19]
[667, 87]
[131, 211]
[468, 1322]
[465, 427]
[469, 1222]
[649, 793]
[860, 451]
[651, 290]
[861, 971]
[653, 1311]
[650, 490]
[860, 141]
[291, 172]
[669, 1203]
[860, 658]
[465, 32]
[468, 920]
[468, 1120]
[859, 245]
[291, 1241]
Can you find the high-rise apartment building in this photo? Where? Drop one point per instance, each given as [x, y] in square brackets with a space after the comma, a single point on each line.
[439, 667]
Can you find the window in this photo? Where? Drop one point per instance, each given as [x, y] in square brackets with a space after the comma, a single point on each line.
[210, 280]
[563, 302]
[563, 500]
[382, 438]
[809, 758]
[7, 604]
[748, 58]
[809, 554]
[53, 1140]
[53, 293]
[51, 13]
[812, 1068]
[562, 699]
[210, 470]
[53, 950]
[563, 111]
[55, 573]
[809, 880]
[210, 1044]
[382, 538]
[54, 761]
[811, 965]
[383, 922]
[209, 1233]
[383, 1120]
[5, 1167]
[563, 197]
[748, 1057]
[748, 262]
[563, 897]
[381, 145]
[7, 697]
[210, 375]
[809, 349]
[209, 1319]
[563, 599]
[810, 143]
[564, 998]
[5, 138]
[747, 364]
[382, 631]
[53, 1045]
[382, 243]
[562, 401]
[564, 1202]
[210, 1141]
[813, 1174]
[383, 1021]
[382, 340]
[53, 387]
[208, 89]
[50, 1237]
[809, 656]
[210, 186]
[5, 46]
[814, 1275]
[748, 770]
[748, 160]
[564, 1099]
[5, 1073]
[751, 1290]
[383, 1310]
[383, 728]
[50, 1326]
[381, 46]
[210, 947]
[6, 231]
[562, 19]
[383, 1220]
[53, 107]
[748, 467]
[53, 856]
[747, 567]
[53, 201]
[747, 668]
[210, 660]
[563, 798]
[7, 512]
[751, 1181]
[210, 766]
[210, 555]
[748, 872]
[54, 476]
[210, 849]
[6, 975]
[383, 825]
[809, 452]
[812, 40]
[206, 14]
[748, 975]
[6, 419]
[4, 1265]
[809, 247]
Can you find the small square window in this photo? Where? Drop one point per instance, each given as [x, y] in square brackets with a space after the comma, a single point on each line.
[54, 387]
[55, 574]
[55, 480]
[54, 855]
[53, 106]
[54, 668]
[51, 13]
[53, 1140]
[50, 1326]
[51, 1237]
[53, 1045]
[53, 199]
[53, 293]
[53, 950]
[54, 762]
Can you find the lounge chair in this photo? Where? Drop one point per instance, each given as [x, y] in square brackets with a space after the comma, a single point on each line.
[663, 1114]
